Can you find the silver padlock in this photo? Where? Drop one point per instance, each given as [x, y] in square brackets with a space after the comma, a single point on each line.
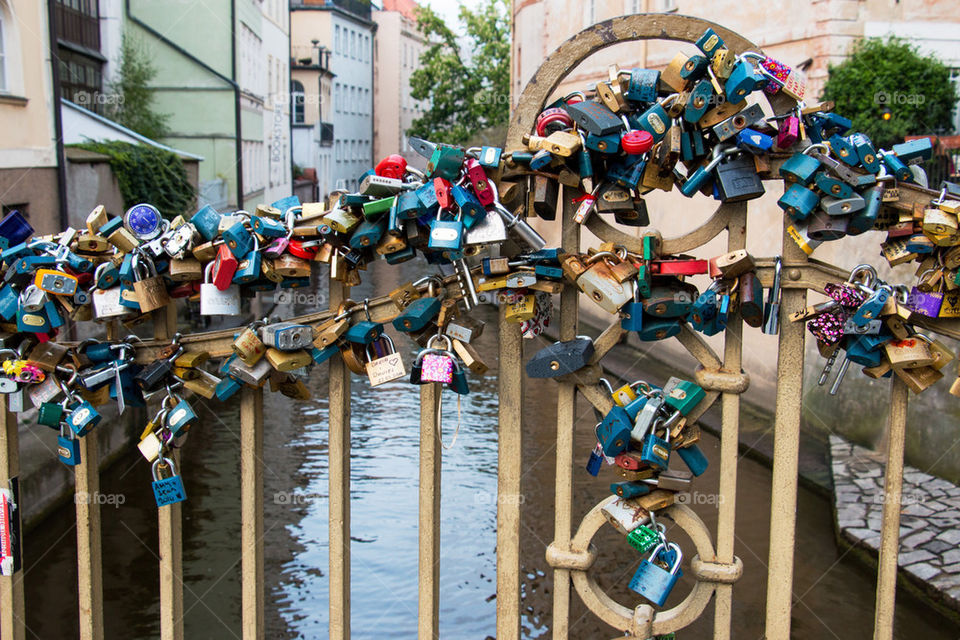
[647, 416]
[491, 229]
[624, 515]
[254, 375]
[214, 302]
[181, 240]
[106, 304]
[32, 299]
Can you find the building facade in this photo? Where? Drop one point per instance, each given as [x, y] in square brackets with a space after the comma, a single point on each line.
[222, 69]
[397, 52]
[346, 30]
[28, 161]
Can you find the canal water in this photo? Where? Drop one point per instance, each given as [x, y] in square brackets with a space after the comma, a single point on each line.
[833, 596]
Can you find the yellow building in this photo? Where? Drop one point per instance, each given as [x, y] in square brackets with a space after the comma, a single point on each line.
[28, 138]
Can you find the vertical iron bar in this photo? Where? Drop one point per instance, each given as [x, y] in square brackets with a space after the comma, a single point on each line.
[89, 551]
[339, 454]
[12, 615]
[566, 421]
[509, 459]
[251, 511]
[786, 449]
[169, 519]
[730, 438]
[428, 626]
[892, 498]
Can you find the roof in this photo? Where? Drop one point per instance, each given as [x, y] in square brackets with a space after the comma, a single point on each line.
[406, 7]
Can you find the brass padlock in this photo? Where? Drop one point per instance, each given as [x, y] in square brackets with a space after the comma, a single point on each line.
[92, 243]
[521, 310]
[96, 219]
[185, 270]
[47, 355]
[248, 346]
[470, 358]
[653, 178]
[911, 353]
[599, 283]
[202, 386]
[671, 75]
[295, 388]
[123, 240]
[290, 266]
[287, 360]
[206, 251]
[920, 378]
[330, 331]
[269, 271]
[732, 264]
[573, 267]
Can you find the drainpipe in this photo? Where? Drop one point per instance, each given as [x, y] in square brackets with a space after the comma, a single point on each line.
[230, 81]
[57, 117]
[373, 103]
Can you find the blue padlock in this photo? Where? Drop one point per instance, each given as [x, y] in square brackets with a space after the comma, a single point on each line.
[654, 582]
[613, 432]
[700, 100]
[754, 141]
[709, 42]
[655, 451]
[285, 203]
[207, 222]
[125, 272]
[609, 143]
[112, 225]
[842, 148]
[867, 153]
[627, 490]
[53, 314]
[368, 233]
[238, 239]
[227, 387]
[654, 121]
[169, 490]
[490, 157]
[248, 269]
[9, 302]
[693, 457]
[295, 283]
[32, 322]
[862, 352]
[595, 461]
[634, 407]
[655, 328]
[68, 448]
[704, 310]
[541, 160]
[181, 417]
[14, 228]
[417, 315]
[268, 227]
[363, 332]
[446, 234]
[800, 168]
[643, 85]
[407, 253]
[322, 355]
[428, 201]
[870, 308]
[744, 79]
[896, 166]
[128, 297]
[865, 219]
[469, 206]
[82, 418]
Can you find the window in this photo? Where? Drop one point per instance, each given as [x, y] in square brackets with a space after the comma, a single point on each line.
[590, 12]
[336, 153]
[353, 99]
[668, 5]
[366, 48]
[353, 43]
[336, 39]
[297, 100]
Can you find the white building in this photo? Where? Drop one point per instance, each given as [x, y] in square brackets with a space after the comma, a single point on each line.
[341, 148]
[396, 56]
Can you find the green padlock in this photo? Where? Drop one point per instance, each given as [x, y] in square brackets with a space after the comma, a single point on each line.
[682, 395]
[50, 415]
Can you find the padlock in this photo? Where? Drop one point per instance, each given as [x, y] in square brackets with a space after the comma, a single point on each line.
[737, 179]
[602, 286]
[682, 395]
[68, 447]
[386, 368]
[417, 314]
[180, 417]
[911, 353]
[654, 582]
[169, 490]
[250, 267]
[286, 336]
[82, 417]
[613, 432]
[215, 301]
[207, 222]
[149, 288]
[561, 358]
[594, 117]
[287, 360]
[56, 282]
[670, 298]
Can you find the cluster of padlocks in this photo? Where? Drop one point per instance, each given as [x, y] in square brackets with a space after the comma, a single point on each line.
[628, 136]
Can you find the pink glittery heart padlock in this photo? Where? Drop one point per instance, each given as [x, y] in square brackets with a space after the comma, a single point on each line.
[436, 367]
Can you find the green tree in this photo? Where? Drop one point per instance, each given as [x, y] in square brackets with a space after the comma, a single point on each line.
[133, 106]
[890, 91]
[467, 89]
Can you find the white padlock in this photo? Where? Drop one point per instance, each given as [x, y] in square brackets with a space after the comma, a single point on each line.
[214, 302]
[106, 304]
[624, 515]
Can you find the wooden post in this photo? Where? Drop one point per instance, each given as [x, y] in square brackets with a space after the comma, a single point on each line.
[339, 453]
[892, 498]
[89, 552]
[12, 614]
[509, 460]
[428, 626]
[251, 511]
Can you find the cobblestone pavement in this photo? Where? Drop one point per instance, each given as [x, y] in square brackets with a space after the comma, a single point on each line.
[929, 517]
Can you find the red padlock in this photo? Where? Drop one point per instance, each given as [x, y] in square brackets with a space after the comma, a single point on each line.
[481, 185]
[679, 267]
[555, 119]
[297, 248]
[442, 188]
[393, 166]
[182, 290]
[224, 268]
[626, 462]
[636, 142]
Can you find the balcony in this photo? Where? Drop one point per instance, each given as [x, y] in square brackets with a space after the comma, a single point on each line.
[326, 134]
[360, 8]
